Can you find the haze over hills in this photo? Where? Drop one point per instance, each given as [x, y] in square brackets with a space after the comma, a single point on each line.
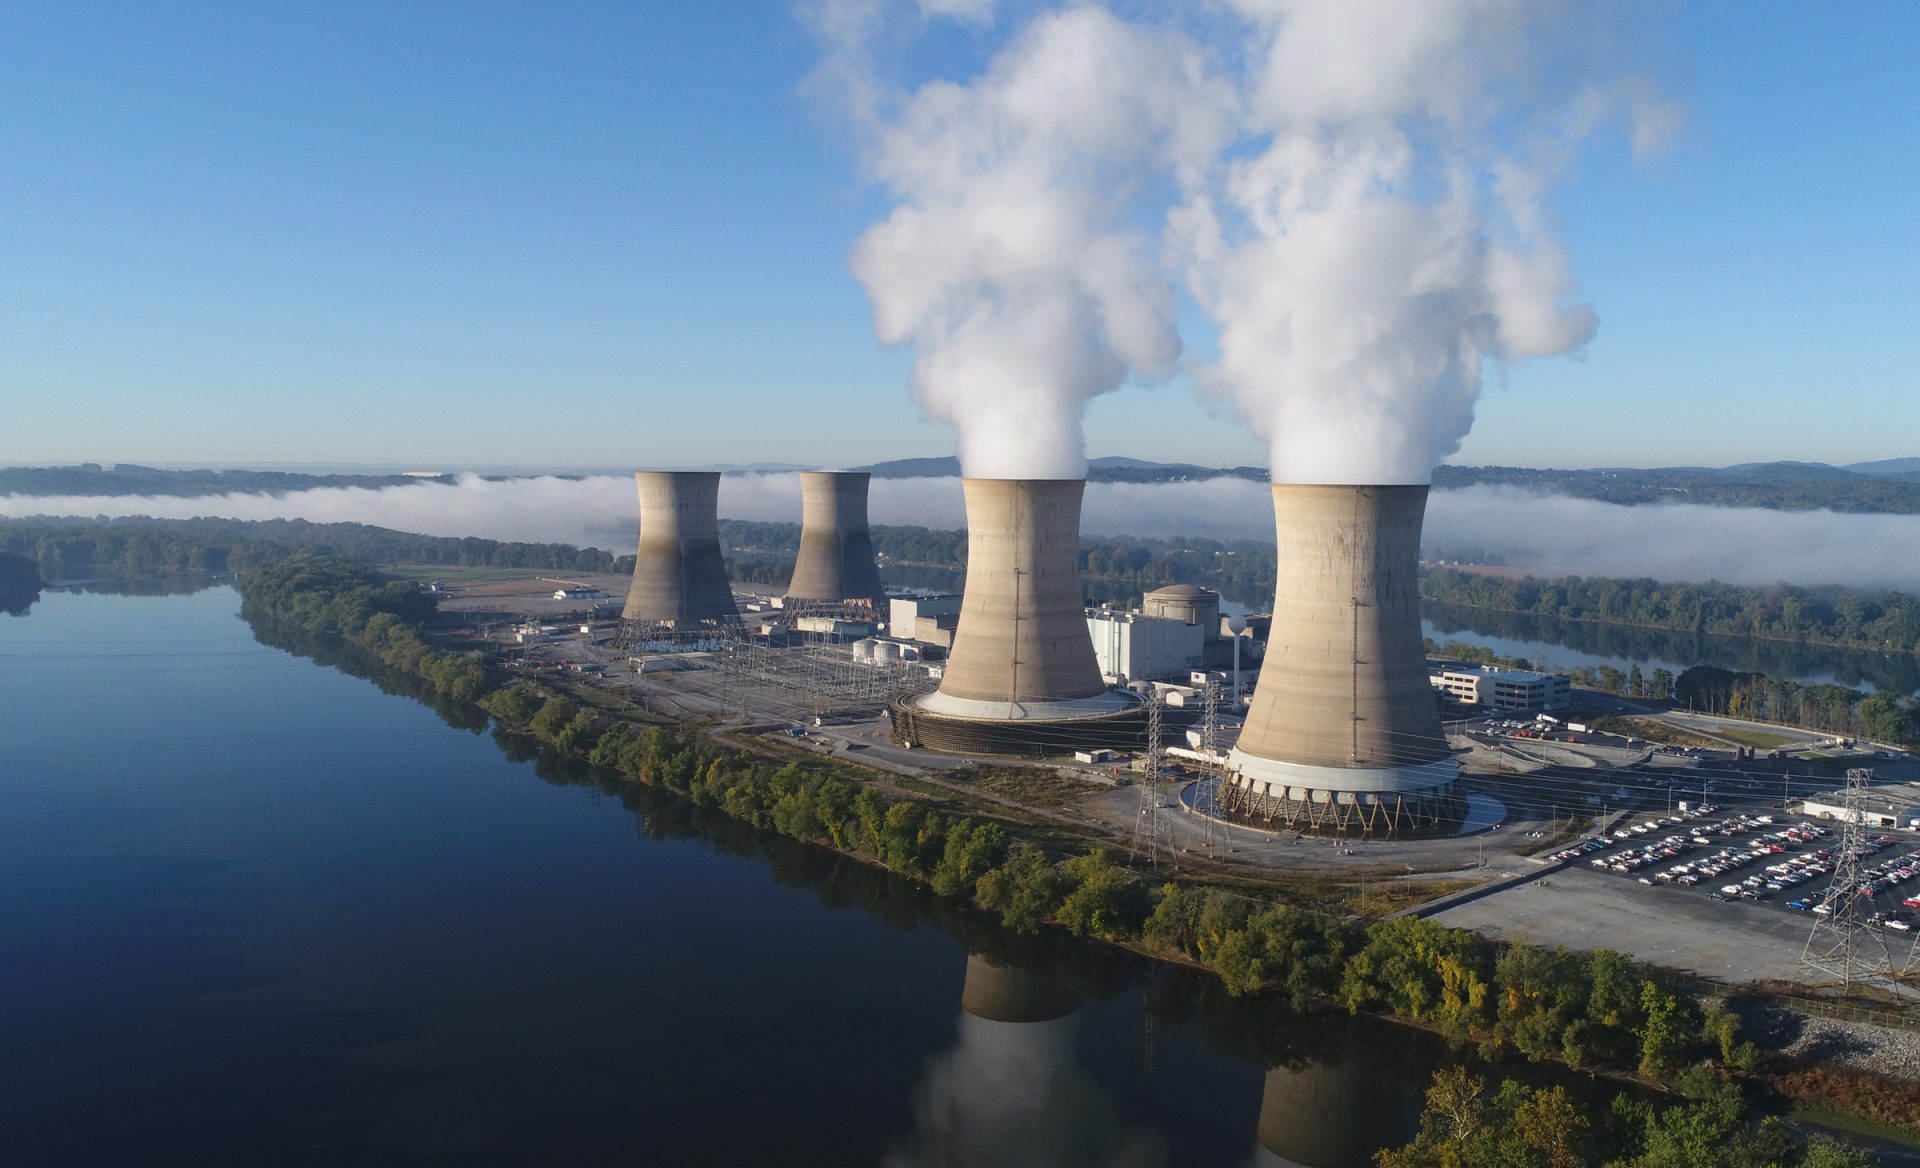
[1888, 486]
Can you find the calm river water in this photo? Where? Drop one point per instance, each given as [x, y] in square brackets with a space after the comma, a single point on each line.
[256, 911]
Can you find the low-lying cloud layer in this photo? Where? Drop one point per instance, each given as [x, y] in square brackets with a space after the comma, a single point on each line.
[1548, 533]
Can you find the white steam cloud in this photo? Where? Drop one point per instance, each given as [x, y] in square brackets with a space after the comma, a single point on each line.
[1388, 234]
[1546, 533]
[1356, 190]
[1012, 261]
[1012, 1095]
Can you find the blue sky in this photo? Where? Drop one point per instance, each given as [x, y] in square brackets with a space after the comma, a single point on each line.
[616, 235]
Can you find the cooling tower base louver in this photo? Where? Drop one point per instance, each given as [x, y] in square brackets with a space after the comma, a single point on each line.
[1424, 811]
[707, 636]
[1120, 725]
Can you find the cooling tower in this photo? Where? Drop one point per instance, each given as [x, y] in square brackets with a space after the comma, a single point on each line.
[1342, 732]
[679, 576]
[836, 564]
[1021, 678]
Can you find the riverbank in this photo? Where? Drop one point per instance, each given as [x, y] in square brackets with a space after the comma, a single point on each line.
[1595, 1012]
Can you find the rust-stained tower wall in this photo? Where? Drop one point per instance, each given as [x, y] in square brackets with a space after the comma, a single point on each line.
[679, 575]
[1343, 727]
[1021, 677]
[836, 561]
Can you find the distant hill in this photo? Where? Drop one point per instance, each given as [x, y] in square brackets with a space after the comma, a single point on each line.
[1112, 469]
[91, 478]
[913, 468]
[1887, 486]
[1887, 466]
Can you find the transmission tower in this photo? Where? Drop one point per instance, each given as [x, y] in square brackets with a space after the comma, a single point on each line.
[1206, 793]
[1842, 945]
[1152, 831]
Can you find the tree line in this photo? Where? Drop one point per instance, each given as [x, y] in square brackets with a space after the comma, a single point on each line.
[1882, 620]
[1466, 1125]
[1780, 486]
[326, 597]
[143, 548]
[126, 478]
[1846, 712]
[1589, 1011]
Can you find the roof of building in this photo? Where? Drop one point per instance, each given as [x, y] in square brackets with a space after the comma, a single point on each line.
[1183, 592]
[1495, 673]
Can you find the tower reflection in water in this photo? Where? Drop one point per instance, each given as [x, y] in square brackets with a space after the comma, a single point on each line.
[1334, 1113]
[1011, 1092]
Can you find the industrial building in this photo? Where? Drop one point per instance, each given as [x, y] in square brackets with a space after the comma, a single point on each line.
[1021, 677]
[1343, 733]
[835, 574]
[1885, 807]
[930, 620]
[1505, 689]
[680, 592]
[1132, 646]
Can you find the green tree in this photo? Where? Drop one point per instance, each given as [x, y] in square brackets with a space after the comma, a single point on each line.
[1663, 1032]
[1025, 890]
[1102, 899]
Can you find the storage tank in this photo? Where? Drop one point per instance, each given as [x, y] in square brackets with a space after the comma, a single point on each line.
[1343, 733]
[679, 575]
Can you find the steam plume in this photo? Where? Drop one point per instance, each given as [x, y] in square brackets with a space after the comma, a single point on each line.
[1010, 262]
[1386, 232]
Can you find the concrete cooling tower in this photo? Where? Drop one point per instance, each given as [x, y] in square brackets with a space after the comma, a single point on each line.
[1021, 678]
[836, 566]
[1343, 733]
[679, 577]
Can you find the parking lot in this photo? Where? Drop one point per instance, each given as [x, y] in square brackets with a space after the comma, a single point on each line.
[1729, 894]
[1762, 858]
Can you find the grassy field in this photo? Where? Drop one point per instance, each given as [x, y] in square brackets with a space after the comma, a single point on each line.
[1759, 739]
[1653, 731]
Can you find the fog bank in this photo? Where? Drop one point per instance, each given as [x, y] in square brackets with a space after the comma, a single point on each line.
[1548, 533]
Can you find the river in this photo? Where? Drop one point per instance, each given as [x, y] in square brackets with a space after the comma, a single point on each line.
[259, 911]
[1564, 644]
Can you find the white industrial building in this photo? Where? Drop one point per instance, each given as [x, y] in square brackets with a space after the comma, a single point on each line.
[931, 620]
[1884, 807]
[1506, 689]
[1131, 646]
